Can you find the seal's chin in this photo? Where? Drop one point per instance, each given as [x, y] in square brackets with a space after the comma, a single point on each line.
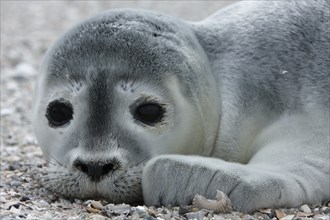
[121, 186]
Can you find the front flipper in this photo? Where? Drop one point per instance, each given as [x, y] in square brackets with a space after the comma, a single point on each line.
[290, 169]
[175, 180]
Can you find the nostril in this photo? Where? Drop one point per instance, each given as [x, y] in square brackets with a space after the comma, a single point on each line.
[107, 168]
[81, 166]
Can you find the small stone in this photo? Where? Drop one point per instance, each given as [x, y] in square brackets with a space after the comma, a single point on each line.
[11, 204]
[320, 217]
[160, 216]
[135, 216]
[279, 214]
[24, 71]
[96, 204]
[96, 217]
[30, 140]
[248, 217]
[269, 212]
[151, 218]
[52, 197]
[195, 215]
[87, 202]
[288, 217]
[305, 208]
[78, 201]
[324, 208]
[65, 203]
[7, 111]
[266, 211]
[15, 184]
[304, 214]
[3, 199]
[152, 212]
[14, 159]
[15, 210]
[24, 198]
[92, 210]
[265, 217]
[43, 203]
[113, 210]
[218, 217]
[141, 211]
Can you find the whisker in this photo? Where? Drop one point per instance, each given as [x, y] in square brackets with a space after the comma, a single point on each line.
[51, 156]
[49, 161]
[141, 161]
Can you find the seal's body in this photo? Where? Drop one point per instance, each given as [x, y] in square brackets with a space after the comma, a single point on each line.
[238, 102]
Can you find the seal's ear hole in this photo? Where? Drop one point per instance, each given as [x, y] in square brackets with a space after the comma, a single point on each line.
[59, 112]
[149, 113]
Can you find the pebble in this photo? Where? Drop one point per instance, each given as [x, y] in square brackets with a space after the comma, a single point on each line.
[15, 184]
[321, 217]
[279, 214]
[135, 216]
[112, 210]
[15, 177]
[305, 208]
[324, 208]
[43, 203]
[97, 205]
[141, 211]
[248, 217]
[14, 159]
[78, 201]
[3, 199]
[52, 197]
[7, 111]
[195, 215]
[11, 204]
[24, 71]
[266, 217]
[288, 217]
[304, 214]
[92, 210]
[65, 203]
[96, 217]
[218, 217]
[24, 199]
[14, 210]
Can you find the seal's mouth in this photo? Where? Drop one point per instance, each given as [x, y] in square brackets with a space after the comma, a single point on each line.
[121, 186]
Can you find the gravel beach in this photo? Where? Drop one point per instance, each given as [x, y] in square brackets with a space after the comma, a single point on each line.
[28, 28]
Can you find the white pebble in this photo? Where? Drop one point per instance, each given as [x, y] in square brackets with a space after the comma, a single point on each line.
[305, 208]
[24, 70]
[288, 217]
[7, 111]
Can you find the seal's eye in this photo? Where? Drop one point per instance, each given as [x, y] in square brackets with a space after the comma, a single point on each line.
[59, 112]
[149, 113]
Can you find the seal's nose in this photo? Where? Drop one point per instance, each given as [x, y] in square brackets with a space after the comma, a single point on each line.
[95, 170]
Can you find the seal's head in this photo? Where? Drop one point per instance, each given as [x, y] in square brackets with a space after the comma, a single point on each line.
[115, 91]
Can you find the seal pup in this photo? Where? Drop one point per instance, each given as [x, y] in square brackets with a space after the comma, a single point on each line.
[137, 106]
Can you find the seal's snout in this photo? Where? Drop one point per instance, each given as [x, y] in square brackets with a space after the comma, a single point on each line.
[94, 170]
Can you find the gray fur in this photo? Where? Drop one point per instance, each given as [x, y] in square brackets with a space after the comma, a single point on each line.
[254, 76]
